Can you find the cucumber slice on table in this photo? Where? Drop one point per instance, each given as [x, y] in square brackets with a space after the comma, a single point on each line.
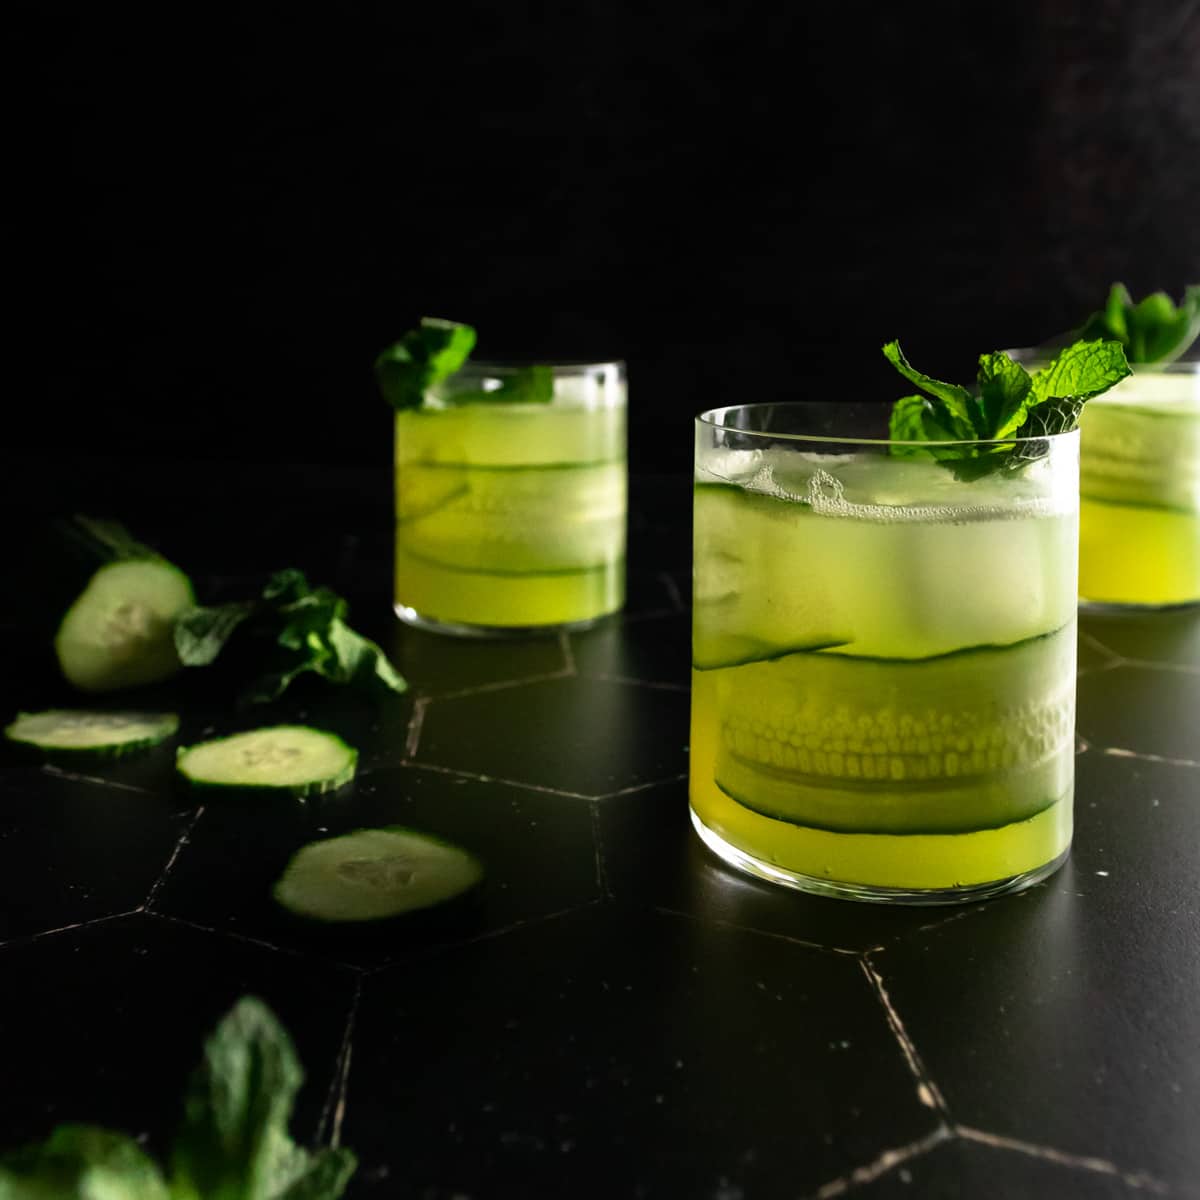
[78, 731]
[372, 874]
[289, 759]
[118, 632]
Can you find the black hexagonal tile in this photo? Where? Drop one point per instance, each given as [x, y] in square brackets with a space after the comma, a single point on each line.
[1150, 710]
[1067, 1016]
[72, 851]
[610, 1053]
[1170, 635]
[109, 1020]
[538, 854]
[586, 737]
[655, 650]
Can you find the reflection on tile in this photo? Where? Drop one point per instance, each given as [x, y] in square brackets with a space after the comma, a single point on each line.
[652, 857]
[613, 1053]
[584, 736]
[656, 650]
[538, 853]
[1143, 709]
[1167, 636]
[108, 1022]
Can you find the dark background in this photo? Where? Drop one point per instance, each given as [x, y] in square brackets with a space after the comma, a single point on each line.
[222, 215]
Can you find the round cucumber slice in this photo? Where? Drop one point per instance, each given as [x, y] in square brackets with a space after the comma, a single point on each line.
[119, 632]
[373, 874]
[79, 731]
[292, 759]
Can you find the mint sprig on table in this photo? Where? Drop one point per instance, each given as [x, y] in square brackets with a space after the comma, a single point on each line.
[1153, 330]
[1007, 402]
[233, 1143]
[428, 355]
[289, 629]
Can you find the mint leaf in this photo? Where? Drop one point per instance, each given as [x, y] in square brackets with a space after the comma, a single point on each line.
[422, 358]
[234, 1143]
[1153, 330]
[1081, 371]
[290, 629]
[915, 419]
[201, 633]
[1004, 386]
[81, 1162]
[1010, 404]
[952, 408]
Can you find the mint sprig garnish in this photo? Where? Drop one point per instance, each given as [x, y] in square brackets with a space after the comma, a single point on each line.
[429, 355]
[1153, 330]
[289, 629]
[1007, 402]
[233, 1143]
[526, 385]
[421, 359]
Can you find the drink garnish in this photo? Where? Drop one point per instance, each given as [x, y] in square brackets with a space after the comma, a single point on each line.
[1153, 330]
[428, 355]
[421, 359]
[1007, 403]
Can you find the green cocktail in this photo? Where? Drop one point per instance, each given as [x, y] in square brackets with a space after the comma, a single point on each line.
[510, 514]
[1139, 517]
[883, 683]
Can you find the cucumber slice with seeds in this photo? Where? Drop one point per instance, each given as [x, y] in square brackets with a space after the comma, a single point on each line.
[295, 760]
[82, 732]
[118, 631]
[373, 874]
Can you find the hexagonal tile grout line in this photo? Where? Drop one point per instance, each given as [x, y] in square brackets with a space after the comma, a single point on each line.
[928, 1092]
[184, 837]
[887, 1162]
[1140, 756]
[476, 777]
[930, 1095]
[664, 911]
[1080, 1162]
[335, 1099]
[1099, 669]
[1097, 645]
[1120, 660]
[337, 963]
[80, 777]
[25, 939]
[450, 947]
[895, 1159]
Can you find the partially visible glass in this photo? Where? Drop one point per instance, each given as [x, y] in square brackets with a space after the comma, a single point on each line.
[883, 686]
[510, 514]
[1139, 515]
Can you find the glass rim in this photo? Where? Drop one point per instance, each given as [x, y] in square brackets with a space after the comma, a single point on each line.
[1177, 366]
[710, 419]
[501, 367]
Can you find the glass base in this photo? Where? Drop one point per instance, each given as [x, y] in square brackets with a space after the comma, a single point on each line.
[410, 616]
[866, 892]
